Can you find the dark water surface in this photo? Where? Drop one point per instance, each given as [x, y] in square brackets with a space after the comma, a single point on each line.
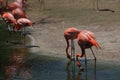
[51, 68]
[23, 65]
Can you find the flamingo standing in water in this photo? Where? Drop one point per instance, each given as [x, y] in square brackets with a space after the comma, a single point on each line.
[70, 34]
[86, 39]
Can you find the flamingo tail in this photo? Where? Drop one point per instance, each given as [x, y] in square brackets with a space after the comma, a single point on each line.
[95, 43]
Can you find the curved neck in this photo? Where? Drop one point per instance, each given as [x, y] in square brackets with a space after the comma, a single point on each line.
[83, 52]
[67, 46]
[82, 49]
[78, 33]
[14, 21]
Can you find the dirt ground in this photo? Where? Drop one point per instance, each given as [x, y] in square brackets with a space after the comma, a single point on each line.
[48, 32]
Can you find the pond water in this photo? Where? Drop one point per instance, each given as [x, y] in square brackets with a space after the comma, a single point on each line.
[51, 68]
[40, 67]
[17, 63]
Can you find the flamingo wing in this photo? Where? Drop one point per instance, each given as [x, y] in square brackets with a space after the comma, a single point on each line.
[87, 38]
[24, 22]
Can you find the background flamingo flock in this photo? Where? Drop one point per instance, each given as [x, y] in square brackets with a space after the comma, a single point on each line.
[15, 13]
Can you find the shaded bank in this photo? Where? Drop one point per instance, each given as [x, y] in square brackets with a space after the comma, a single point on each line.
[10, 42]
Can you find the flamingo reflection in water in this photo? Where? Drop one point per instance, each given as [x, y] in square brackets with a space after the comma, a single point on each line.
[17, 67]
[74, 74]
[71, 72]
[86, 39]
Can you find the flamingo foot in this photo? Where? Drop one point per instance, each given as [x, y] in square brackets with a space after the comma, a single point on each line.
[78, 55]
[80, 67]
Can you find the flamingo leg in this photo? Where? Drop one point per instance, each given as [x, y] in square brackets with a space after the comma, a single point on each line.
[93, 54]
[94, 64]
[8, 27]
[9, 32]
[71, 75]
[42, 4]
[72, 50]
[95, 70]
[24, 34]
[73, 56]
[80, 55]
[86, 66]
[78, 62]
[67, 69]
[73, 69]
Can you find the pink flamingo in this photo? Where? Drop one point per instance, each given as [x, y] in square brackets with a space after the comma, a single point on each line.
[13, 5]
[86, 39]
[18, 13]
[9, 19]
[70, 34]
[16, 4]
[22, 23]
